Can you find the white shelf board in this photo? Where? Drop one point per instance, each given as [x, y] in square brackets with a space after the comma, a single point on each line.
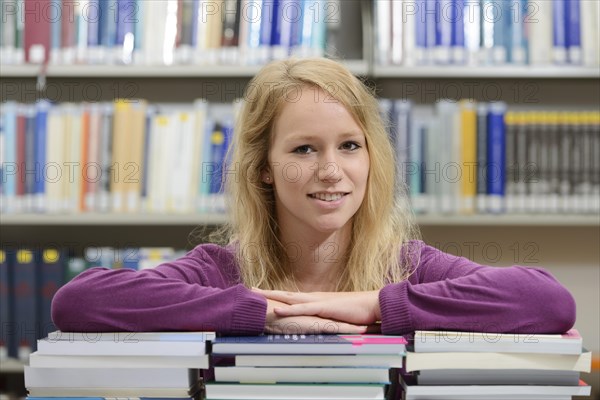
[358, 67]
[530, 72]
[124, 219]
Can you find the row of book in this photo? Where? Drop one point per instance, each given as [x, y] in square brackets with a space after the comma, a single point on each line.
[467, 157]
[129, 156]
[29, 278]
[166, 32]
[436, 365]
[487, 32]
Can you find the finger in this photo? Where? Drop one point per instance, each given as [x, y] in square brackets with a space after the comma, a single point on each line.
[299, 309]
[286, 297]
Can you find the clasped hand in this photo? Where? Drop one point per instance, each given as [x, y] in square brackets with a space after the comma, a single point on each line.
[320, 312]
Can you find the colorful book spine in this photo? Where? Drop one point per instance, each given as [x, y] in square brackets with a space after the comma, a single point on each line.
[496, 156]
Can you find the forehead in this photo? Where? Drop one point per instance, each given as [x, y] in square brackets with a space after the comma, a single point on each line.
[309, 110]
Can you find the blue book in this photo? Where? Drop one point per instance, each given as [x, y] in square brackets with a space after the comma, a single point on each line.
[559, 32]
[420, 31]
[217, 153]
[573, 31]
[52, 274]
[93, 20]
[41, 133]
[458, 31]
[253, 13]
[25, 303]
[206, 168]
[496, 156]
[497, 13]
[130, 257]
[6, 300]
[482, 146]
[125, 28]
[443, 31]
[310, 344]
[517, 42]
[10, 170]
[267, 27]
[108, 26]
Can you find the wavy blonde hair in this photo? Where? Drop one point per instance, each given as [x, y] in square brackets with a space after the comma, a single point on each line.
[382, 224]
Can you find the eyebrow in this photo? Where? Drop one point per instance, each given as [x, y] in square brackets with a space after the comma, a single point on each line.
[311, 137]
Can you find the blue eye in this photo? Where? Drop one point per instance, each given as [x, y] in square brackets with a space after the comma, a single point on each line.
[305, 149]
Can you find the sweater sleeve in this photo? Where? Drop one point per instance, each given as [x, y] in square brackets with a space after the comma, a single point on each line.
[197, 292]
[446, 292]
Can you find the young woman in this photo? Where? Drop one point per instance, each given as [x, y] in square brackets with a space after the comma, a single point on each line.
[319, 239]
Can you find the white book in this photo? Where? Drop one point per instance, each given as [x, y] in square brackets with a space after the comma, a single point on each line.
[106, 348]
[590, 30]
[363, 360]
[110, 377]
[447, 341]
[155, 26]
[222, 391]
[478, 376]
[539, 24]
[130, 337]
[93, 168]
[397, 32]
[498, 361]
[302, 374]
[54, 159]
[52, 361]
[383, 34]
[181, 172]
[111, 392]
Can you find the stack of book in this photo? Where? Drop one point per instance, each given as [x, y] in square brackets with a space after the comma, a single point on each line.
[467, 365]
[118, 364]
[304, 366]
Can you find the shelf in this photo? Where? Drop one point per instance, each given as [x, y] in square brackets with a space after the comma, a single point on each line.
[492, 72]
[11, 365]
[358, 67]
[125, 219]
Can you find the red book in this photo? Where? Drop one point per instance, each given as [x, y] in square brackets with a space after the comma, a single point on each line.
[37, 31]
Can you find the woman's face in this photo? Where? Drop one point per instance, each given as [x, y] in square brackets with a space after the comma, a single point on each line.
[319, 163]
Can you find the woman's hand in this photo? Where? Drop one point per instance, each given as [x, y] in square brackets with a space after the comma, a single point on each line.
[303, 324]
[355, 308]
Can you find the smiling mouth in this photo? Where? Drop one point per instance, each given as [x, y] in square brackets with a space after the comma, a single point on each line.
[327, 197]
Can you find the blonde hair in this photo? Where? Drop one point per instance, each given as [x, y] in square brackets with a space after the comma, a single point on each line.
[381, 225]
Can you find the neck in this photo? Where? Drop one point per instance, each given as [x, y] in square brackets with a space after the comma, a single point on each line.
[317, 261]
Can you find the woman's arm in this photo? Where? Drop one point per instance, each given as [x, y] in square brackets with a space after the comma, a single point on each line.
[196, 292]
[454, 293]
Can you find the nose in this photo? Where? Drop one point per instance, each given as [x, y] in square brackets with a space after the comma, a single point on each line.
[329, 168]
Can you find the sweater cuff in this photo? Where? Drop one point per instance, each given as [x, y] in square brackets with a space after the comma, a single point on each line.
[250, 313]
[395, 310]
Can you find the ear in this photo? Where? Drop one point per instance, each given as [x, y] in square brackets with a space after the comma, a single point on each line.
[266, 177]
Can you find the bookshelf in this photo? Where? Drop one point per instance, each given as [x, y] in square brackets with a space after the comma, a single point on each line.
[567, 244]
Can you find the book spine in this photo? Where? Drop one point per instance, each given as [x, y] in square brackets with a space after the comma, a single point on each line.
[457, 18]
[468, 171]
[590, 30]
[573, 31]
[539, 24]
[37, 33]
[11, 166]
[25, 284]
[496, 157]
[383, 26]
[30, 158]
[559, 36]
[41, 132]
[482, 145]
[553, 163]
[92, 14]
[108, 29]
[511, 163]
[443, 32]
[6, 299]
[409, 21]
[518, 37]
[52, 277]
[520, 168]
[231, 32]
[125, 28]
[55, 15]
[472, 31]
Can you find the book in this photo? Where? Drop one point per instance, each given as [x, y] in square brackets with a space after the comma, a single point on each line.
[130, 337]
[445, 392]
[497, 377]
[117, 378]
[140, 348]
[362, 360]
[38, 360]
[309, 344]
[498, 361]
[447, 341]
[176, 393]
[302, 374]
[216, 391]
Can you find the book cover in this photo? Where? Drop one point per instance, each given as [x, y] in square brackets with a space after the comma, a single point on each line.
[496, 157]
[309, 344]
[52, 271]
[25, 303]
[37, 33]
[448, 341]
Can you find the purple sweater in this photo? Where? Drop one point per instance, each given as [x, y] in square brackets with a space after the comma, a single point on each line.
[202, 291]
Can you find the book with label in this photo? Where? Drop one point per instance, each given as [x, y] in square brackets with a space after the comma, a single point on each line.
[309, 344]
